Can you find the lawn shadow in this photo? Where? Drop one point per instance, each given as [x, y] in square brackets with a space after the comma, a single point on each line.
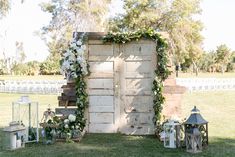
[116, 145]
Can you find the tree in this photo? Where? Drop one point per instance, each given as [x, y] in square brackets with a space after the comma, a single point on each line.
[80, 15]
[223, 57]
[4, 7]
[19, 69]
[69, 16]
[33, 68]
[20, 54]
[207, 62]
[176, 17]
[231, 64]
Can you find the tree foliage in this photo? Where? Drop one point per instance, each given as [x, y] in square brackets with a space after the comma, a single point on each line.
[223, 56]
[176, 17]
[220, 60]
[51, 65]
[80, 15]
[4, 7]
[69, 16]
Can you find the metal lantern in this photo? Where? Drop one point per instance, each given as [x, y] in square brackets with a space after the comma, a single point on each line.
[193, 140]
[25, 112]
[14, 136]
[196, 131]
[172, 134]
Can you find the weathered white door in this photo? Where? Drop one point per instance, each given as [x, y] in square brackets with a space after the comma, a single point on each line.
[120, 97]
[137, 73]
[104, 109]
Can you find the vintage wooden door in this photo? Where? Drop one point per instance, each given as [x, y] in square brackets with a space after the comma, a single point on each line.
[119, 87]
[104, 109]
[137, 73]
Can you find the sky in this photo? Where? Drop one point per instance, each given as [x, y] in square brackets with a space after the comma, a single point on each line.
[218, 17]
[25, 19]
[20, 25]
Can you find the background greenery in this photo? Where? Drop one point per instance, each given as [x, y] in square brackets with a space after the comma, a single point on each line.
[173, 17]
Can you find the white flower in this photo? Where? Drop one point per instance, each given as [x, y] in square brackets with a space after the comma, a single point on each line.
[72, 118]
[79, 42]
[71, 57]
[83, 47]
[73, 45]
[66, 126]
[66, 121]
[74, 75]
[72, 127]
[74, 40]
[66, 65]
[67, 53]
[76, 126]
[79, 51]
[79, 59]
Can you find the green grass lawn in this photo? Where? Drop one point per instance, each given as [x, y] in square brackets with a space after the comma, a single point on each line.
[7, 99]
[216, 107]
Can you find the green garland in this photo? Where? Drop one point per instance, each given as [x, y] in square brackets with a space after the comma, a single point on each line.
[82, 101]
[162, 72]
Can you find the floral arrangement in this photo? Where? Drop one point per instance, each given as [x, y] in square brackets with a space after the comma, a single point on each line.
[73, 62]
[48, 132]
[68, 128]
[74, 66]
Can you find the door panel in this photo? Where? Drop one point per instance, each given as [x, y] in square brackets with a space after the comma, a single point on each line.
[101, 89]
[120, 88]
[136, 89]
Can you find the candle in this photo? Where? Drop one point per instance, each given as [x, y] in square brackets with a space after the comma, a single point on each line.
[18, 143]
[13, 141]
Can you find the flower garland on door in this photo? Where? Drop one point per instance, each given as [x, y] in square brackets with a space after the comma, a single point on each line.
[75, 67]
[161, 71]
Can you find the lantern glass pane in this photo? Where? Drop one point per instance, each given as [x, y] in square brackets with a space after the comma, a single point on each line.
[27, 115]
[170, 136]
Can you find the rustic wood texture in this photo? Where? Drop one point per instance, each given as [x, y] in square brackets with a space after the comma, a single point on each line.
[120, 87]
[101, 87]
[68, 96]
[65, 111]
[136, 88]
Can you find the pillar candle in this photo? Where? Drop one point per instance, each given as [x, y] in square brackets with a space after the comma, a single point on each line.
[18, 143]
[13, 141]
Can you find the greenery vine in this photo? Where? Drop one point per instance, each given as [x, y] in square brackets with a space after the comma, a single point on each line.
[162, 72]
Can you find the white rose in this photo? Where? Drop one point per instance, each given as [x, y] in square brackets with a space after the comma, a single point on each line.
[66, 65]
[79, 42]
[73, 45]
[74, 75]
[85, 72]
[66, 121]
[72, 118]
[83, 47]
[79, 59]
[66, 126]
[80, 51]
[67, 53]
[72, 57]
